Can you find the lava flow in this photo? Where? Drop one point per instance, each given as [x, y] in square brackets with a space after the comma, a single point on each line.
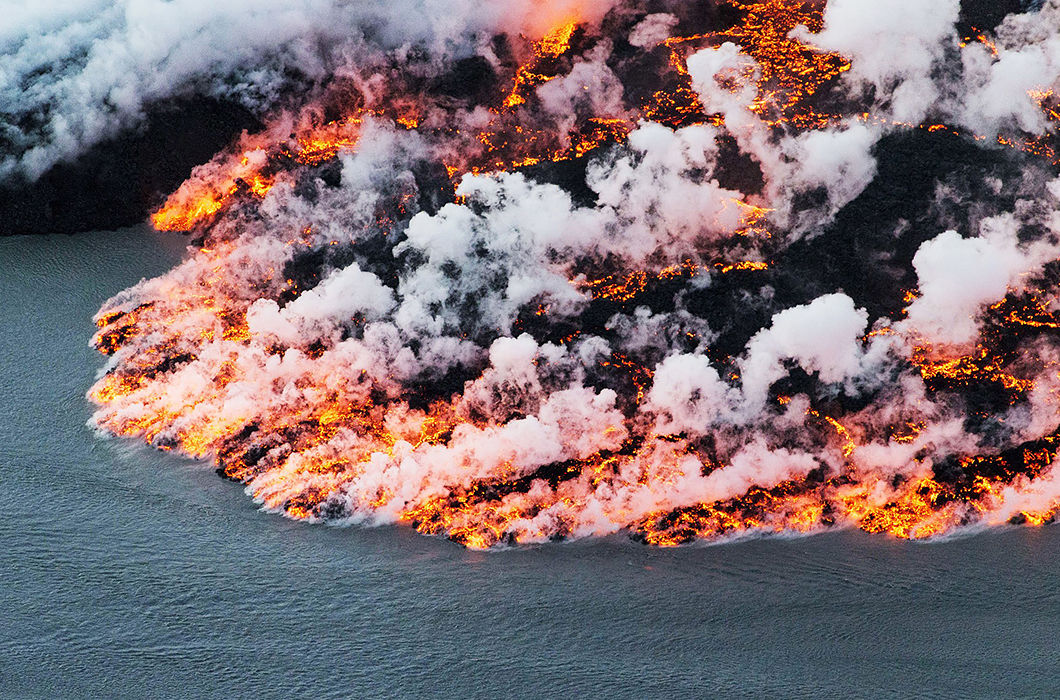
[650, 272]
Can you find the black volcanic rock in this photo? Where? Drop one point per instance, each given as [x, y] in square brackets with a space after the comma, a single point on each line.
[117, 182]
[568, 174]
[867, 251]
[985, 15]
[471, 79]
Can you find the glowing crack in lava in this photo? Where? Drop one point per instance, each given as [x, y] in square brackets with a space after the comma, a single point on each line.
[575, 304]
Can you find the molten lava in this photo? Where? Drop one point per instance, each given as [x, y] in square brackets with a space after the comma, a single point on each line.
[496, 386]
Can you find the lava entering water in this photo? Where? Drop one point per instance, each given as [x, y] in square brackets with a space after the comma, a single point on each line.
[614, 279]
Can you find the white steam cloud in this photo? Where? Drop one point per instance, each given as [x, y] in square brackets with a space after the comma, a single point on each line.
[75, 73]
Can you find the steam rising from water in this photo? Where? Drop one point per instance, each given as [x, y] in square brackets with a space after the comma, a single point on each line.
[584, 281]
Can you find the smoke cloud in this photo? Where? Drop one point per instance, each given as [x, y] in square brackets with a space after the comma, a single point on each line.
[75, 73]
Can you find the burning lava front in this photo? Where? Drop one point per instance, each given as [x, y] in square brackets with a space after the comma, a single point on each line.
[650, 273]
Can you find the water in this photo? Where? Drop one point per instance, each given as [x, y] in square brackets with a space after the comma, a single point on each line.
[129, 572]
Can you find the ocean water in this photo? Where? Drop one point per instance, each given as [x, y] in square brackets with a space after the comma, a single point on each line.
[126, 572]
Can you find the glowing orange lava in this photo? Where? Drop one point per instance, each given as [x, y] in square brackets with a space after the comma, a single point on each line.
[309, 451]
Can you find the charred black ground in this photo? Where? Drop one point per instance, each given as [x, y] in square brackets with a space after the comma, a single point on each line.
[118, 182]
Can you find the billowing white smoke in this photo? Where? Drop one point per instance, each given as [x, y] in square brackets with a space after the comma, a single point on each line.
[76, 72]
[893, 45]
[457, 286]
[906, 52]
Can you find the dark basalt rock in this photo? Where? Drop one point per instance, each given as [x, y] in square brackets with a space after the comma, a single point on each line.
[472, 79]
[985, 15]
[568, 174]
[118, 182]
[867, 251]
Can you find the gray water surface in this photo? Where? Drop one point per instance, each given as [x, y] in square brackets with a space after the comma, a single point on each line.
[126, 572]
